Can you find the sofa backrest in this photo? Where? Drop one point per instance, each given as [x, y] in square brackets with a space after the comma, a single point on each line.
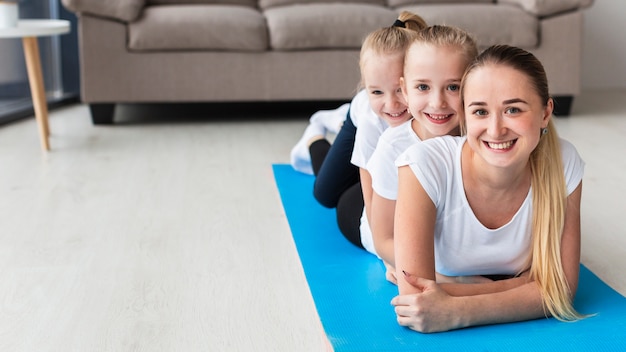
[250, 3]
[265, 4]
[394, 3]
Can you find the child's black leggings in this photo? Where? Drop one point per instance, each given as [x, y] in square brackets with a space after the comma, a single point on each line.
[337, 182]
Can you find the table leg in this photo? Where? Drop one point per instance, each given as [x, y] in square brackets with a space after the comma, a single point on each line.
[37, 89]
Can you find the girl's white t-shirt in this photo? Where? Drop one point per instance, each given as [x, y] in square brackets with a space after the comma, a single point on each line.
[383, 170]
[369, 129]
[463, 246]
[381, 166]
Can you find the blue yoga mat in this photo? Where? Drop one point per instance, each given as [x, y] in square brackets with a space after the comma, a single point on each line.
[353, 298]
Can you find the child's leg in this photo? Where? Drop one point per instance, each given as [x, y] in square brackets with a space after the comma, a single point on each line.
[320, 123]
[336, 173]
[299, 156]
[349, 211]
[332, 120]
[318, 150]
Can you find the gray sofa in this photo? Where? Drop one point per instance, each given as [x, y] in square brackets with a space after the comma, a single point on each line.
[143, 51]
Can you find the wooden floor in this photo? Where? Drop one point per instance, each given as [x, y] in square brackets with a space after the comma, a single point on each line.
[165, 232]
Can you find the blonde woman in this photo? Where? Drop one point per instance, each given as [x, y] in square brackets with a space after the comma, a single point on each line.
[503, 200]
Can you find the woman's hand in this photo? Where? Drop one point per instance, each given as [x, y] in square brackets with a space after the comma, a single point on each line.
[430, 310]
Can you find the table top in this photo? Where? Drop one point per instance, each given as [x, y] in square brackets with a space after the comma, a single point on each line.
[36, 28]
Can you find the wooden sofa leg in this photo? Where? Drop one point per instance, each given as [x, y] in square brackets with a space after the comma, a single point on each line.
[563, 105]
[102, 113]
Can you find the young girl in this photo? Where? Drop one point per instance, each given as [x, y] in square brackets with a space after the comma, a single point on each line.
[504, 200]
[433, 67]
[341, 178]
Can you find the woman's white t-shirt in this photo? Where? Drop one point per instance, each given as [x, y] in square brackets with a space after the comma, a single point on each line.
[463, 246]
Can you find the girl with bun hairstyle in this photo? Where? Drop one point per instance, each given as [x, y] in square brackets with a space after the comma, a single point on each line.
[342, 180]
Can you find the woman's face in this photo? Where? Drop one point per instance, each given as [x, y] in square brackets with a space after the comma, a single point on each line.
[504, 114]
[431, 86]
[381, 77]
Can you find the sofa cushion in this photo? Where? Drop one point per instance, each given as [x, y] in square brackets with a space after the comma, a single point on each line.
[249, 3]
[394, 3]
[213, 27]
[122, 10]
[266, 4]
[545, 8]
[326, 26]
[514, 25]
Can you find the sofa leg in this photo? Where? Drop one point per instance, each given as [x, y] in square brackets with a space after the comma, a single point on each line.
[563, 105]
[102, 113]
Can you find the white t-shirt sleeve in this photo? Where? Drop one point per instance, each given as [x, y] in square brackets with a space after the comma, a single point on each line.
[359, 106]
[383, 171]
[381, 165]
[573, 166]
[432, 162]
[369, 128]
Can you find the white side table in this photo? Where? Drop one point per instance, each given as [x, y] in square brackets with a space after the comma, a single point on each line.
[29, 30]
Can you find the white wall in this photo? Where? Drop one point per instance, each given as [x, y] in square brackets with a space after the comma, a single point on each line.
[604, 45]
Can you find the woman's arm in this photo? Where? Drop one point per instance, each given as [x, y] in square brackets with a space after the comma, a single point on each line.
[570, 240]
[381, 222]
[432, 309]
[473, 288]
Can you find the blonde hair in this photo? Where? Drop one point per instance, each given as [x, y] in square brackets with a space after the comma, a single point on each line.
[392, 40]
[450, 36]
[548, 187]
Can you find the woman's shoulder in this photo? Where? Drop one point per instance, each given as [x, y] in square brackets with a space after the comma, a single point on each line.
[567, 148]
[569, 154]
[573, 165]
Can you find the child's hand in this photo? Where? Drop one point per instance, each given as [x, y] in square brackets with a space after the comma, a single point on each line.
[390, 275]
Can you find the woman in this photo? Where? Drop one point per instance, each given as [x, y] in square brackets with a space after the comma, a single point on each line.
[503, 200]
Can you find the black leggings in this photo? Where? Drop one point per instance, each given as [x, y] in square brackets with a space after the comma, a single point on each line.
[337, 183]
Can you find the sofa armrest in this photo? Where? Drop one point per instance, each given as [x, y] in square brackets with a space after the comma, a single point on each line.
[543, 8]
[123, 10]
